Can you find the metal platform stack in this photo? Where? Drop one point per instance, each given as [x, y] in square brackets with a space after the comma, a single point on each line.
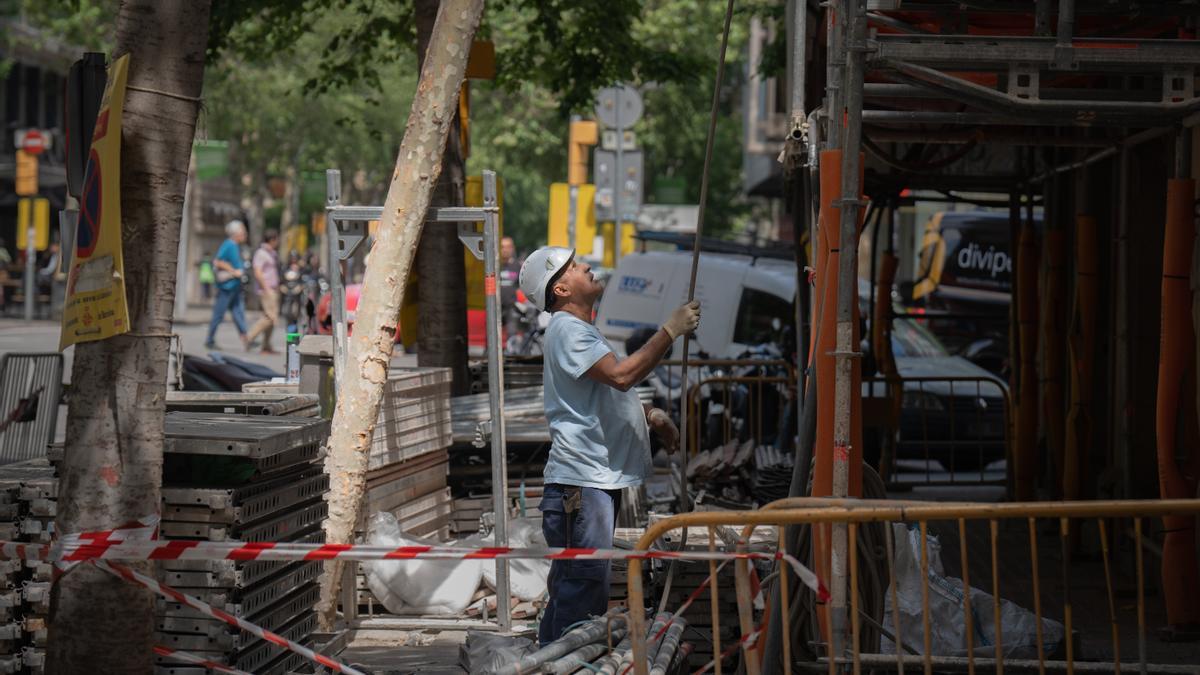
[247, 478]
[243, 403]
[408, 459]
[28, 491]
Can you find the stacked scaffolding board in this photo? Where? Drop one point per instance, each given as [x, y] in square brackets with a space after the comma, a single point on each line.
[243, 403]
[251, 478]
[28, 492]
[408, 461]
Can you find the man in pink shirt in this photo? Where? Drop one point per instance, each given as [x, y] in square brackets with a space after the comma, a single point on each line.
[266, 275]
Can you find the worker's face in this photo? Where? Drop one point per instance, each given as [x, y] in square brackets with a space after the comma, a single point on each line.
[579, 283]
[239, 236]
[508, 249]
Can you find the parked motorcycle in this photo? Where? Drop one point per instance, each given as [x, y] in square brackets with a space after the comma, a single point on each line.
[526, 328]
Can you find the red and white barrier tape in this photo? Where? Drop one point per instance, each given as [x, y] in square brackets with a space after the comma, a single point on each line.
[90, 546]
[746, 640]
[207, 609]
[102, 546]
[143, 529]
[200, 661]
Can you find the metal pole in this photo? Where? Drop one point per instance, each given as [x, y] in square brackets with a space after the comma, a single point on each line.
[572, 200]
[491, 260]
[618, 182]
[183, 268]
[799, 68]
[849, 205]
[1066, 23]
[1183, 152]
[1041, 18]
[30, 266]
[333, 197]
[1121, 398]
[834, 73]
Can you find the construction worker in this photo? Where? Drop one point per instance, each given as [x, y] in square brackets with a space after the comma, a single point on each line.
[599, 429]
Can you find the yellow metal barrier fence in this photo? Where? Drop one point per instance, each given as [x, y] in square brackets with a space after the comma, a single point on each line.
[1003, 528]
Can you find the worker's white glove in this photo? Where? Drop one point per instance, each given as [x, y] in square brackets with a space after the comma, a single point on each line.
[664, 426]
[683, 320]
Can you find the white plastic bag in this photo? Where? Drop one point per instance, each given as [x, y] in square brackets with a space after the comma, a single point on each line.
[947, 622]
[526, 576]
[417, 586]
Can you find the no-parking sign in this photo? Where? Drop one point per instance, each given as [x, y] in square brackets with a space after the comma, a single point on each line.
[95, 306]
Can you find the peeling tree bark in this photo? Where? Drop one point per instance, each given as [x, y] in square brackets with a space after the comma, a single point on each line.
[112, 468]
[418, 165]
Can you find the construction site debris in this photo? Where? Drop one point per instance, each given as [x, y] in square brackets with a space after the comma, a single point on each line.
[947, 624]
[417, 586]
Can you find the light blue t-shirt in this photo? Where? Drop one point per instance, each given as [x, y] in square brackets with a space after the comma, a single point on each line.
[598, 434]
[232, 254]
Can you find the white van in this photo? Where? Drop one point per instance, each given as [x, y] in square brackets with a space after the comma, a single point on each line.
[742, 298]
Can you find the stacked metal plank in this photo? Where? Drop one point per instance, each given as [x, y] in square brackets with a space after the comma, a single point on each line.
[243, 478]
[28, 491]
[408, 461]
[243, 403]
[414, 416]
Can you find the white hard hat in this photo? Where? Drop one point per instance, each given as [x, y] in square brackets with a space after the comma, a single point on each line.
[539, 268]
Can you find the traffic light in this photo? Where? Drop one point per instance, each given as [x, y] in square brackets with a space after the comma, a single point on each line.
[27, 174]
[582, 134]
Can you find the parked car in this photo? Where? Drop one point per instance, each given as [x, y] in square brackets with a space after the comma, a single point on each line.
[476, 318]
[953, 404]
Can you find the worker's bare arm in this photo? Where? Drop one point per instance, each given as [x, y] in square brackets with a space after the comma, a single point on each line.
[625, 373]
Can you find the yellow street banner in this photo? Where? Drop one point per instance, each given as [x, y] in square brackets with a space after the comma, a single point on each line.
[95, 306]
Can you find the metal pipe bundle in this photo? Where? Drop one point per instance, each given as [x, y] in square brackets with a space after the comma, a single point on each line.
[668, 647]
[585, 634]
[577, 659]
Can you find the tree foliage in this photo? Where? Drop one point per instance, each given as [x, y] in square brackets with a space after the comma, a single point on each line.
[258, 100]
[315, 84]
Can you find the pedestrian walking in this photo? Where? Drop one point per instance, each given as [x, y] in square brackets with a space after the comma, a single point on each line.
[265, 265]
[599, 429]
[206, 277]
[230, 274]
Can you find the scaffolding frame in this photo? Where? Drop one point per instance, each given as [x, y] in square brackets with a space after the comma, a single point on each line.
[1014, 108]
[346, 230]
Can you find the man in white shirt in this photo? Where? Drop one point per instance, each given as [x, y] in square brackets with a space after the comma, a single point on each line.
[599, 429]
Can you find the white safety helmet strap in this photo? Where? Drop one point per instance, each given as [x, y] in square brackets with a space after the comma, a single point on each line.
[539, 268]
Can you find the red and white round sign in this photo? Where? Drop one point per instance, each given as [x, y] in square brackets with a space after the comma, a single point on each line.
[33, 142]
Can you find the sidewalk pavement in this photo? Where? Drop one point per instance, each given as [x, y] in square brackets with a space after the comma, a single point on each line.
[17, 335]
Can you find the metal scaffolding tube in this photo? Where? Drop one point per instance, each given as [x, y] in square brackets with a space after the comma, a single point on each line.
[849, 205]
[1066, 23]
[963, 137]
[979, 52]
[974, 94]
[894, 90]
[835, 66]
[965, 118]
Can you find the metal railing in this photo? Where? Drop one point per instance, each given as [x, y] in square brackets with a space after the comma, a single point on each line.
[963, 423]
[746, 411]
[1079, 540]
